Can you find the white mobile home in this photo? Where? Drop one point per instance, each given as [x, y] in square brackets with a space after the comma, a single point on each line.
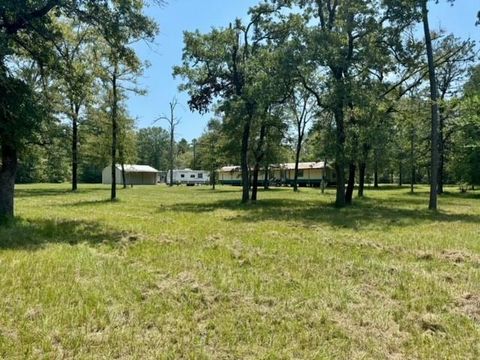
[309, 174]
[134, 175]
[189, 177]
[230, 175]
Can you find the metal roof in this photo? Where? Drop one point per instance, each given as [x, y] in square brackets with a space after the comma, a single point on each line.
[303, 165]
[286, 166]
[190, 170]
[230, 168]
[137, 168]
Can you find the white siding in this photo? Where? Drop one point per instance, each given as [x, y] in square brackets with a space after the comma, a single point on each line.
[132, 178]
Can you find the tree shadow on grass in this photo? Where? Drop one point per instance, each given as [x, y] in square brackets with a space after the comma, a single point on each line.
[234, 189]
[92, 202]
[393, 200]
[390, 187]
[363, 214]
[35, 234]
[460, 195]
[22, 193]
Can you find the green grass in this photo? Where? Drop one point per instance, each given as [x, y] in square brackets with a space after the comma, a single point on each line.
[192, 273]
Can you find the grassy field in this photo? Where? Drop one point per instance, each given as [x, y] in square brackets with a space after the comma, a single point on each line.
[191, 273]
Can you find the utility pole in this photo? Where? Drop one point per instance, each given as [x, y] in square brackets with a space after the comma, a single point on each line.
[194, 144]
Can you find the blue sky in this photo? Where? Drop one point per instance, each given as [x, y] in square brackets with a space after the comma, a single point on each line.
[180, 15]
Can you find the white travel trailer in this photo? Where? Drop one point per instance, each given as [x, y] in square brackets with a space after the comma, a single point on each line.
[189, 177]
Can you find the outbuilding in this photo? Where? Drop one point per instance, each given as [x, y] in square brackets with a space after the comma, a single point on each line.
[134, 175]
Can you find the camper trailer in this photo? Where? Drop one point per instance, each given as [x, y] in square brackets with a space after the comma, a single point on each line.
[189, 177]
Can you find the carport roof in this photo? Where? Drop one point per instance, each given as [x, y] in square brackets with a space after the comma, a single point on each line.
[137, 168]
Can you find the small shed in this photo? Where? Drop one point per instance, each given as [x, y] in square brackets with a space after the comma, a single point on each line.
[134, 175]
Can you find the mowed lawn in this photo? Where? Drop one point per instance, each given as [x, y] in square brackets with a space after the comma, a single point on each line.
[190, 273]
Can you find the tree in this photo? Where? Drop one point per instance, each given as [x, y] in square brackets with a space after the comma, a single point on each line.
[173, 122]
[271, 123]
[301, 108]
[74, 74]
[450, 75]
[18, 116]
[435, 156]
[120, 28]
[223, 64]
[95, 138]
[472, 85]
[24, 26]
[340, 42]
[210, 154]
[152, 147]
[410, 137]
[21, 110]
[194, 152]
[126, 143]
[466, 154]
[466, 159]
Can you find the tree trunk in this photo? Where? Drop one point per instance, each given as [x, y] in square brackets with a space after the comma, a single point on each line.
[441, 167]
[8, 171]
[350, 184]
[412, 180]
[412, 160]
[170, 155]
[258, 159]
[194, 145]
[400, 174]
[297, 159]
[324, 176]
[361, 183]
[213, 179]
[441, 149]
[266, 178]
[124, 177]
[256, 170]
[113, 191]
[297, 155]
[340, 156]
[74, 149]
[375, 174]
[434, 108]
[244, 162]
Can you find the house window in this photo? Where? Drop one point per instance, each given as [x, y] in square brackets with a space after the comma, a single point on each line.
[200, 175]
[300, 173]
[182, 175]
[192, 176]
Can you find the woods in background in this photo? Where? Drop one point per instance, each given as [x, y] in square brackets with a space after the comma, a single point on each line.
[352, 83]
[372, 77]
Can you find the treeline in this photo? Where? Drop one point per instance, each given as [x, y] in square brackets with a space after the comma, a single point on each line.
[355, 83]
[51, 160]
[386, 97]
[66, 69]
